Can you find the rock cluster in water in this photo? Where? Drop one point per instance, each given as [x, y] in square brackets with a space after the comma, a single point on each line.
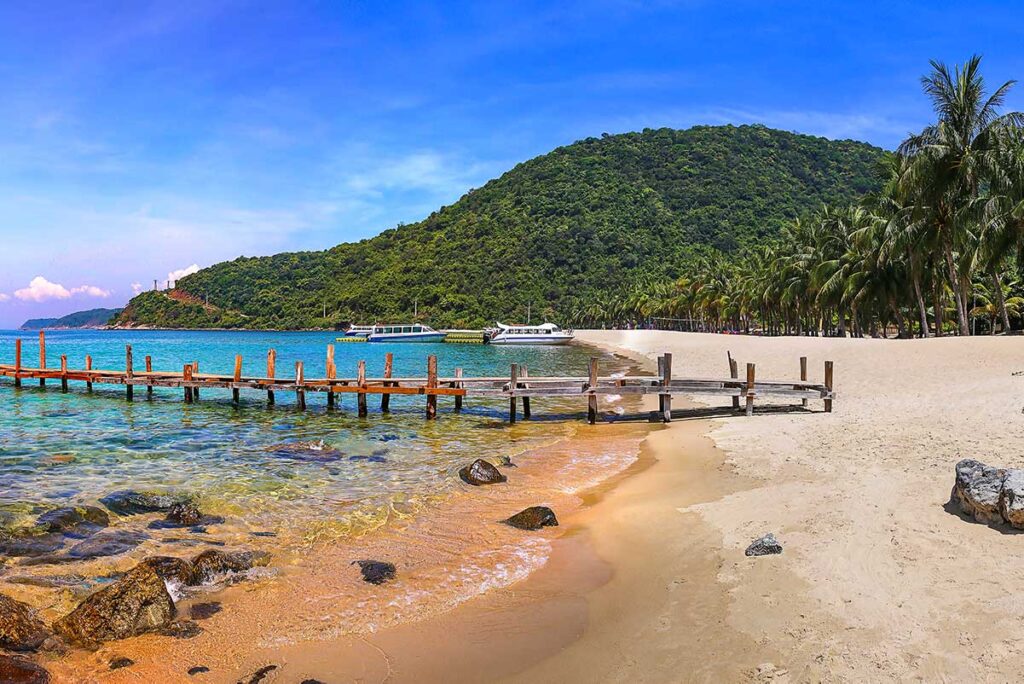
[989, 495]
[480, 472]
[20, 629]
[376, 572]
[533, 518]
[764, 546]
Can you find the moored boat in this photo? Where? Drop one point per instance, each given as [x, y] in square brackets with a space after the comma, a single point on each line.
[546, 333]
[359, 331]
[411, 332]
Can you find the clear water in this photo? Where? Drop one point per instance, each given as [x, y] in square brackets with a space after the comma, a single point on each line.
[58, 449]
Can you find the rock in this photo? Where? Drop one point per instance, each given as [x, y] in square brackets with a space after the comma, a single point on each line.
[765, 546]
[182, 629]
[376, 572]
[185, 514]
[480, 472]
[20, 671]
[316, 452]
[20, 629]
[30, 543]
[172, 570]
[204, 611]
[118, 663]
[533, 518]
[127, 502]
[74, 521]
[1011, 502]
[506, 462]
[210, 564]
[978, 489]
[135, 604]
[48, 581]
[259, 675]
[198, 669]
[311, 681]
[55, 646]
[110, 543]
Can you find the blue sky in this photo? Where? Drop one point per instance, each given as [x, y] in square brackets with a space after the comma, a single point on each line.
[138, 138]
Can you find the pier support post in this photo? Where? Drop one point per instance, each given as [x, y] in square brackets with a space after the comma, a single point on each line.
[661, 373]
[513, 380]
[458, 385]
[42, 356]
[431, 384]
[17, 362]
[666, 382]
[526, 399]
[271, 363]
[734, 373]
[149, 369]
[88, 367]
[186, 376]
[592, 388]
[750, 389]
[63, 373]
[300, 393]
[129, 373]
[237, 379]
[331, 374]
[385, 399]
[803, 376]
[361, 381]
[828, 385]
[195, 374]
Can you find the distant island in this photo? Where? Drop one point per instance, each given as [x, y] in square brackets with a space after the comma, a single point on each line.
[93, 318]
[564, 231]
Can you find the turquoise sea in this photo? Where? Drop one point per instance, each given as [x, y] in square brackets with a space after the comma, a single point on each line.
[59, 449]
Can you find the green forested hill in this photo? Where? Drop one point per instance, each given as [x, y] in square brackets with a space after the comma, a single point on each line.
[93, 318]
[586, 219]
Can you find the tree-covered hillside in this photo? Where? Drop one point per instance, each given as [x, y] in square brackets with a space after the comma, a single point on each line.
[93, 318]
[581, 221]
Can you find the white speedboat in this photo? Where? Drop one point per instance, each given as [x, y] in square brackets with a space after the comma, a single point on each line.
[412, 332]
[359, 331]
[547, 333]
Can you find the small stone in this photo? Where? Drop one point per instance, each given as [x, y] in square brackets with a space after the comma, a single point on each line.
[506, 462]
[765, 546]
[376, 572]
[20, 629]
[204, 611]
[118, 663]
[110, 543]
[213, 563]
[480, 472]
[259, 675]
[533, 518]
[198, 669]
[182, 629]
[20, 671]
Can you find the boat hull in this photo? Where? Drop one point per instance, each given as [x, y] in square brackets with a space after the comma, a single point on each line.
[532, 340]
[407, 337]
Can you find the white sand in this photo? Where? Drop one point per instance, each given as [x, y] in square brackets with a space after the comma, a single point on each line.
[878, 580]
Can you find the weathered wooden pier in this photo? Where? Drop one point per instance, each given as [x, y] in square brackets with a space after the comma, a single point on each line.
[518, 387]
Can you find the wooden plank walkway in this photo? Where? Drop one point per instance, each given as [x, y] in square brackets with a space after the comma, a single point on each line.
[517, 386]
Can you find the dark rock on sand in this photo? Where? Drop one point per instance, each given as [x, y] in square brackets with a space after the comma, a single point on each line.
[171, 569]
[74, 521]
[182, 629]
[311, 681]
[258, 676]
[533, 518]
[15, 670]
[118, 663]
[110, 543]
[30, 543]
[977, 490]
[198, 669]
[480, 472]
[135, 604]
[204, 611]
[506, 462]
[213, 563]
[20, 629]
[765, 546]
[127, 502]
[376, 572]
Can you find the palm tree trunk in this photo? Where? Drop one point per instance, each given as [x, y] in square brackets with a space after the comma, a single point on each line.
[954, 282]
[998, 285]
[921, 309]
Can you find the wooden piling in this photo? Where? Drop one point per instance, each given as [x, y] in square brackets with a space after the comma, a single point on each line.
[592, 398]
[525, 373]
[385, 399]
[149, 369]
[458, 385]
[186, 376]
[513, 381]
[17, 362]
[828, 385]
[361, 397]
[803, 376]
[331, 374]
[129, 373]
[88, 367]
[237, 378]
[63, 373]
[195, 372]
[271, 363]
[734, 373]
[661, 374]
[300, 394]
[431, 384]
[750, 389]
[42, 356]
[666, 382]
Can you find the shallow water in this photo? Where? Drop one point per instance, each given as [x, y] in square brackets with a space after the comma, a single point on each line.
[60, 449]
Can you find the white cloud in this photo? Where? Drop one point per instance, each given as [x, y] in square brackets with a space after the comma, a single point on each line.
[136, 288]
[40, 290]
[174, 276]
[4, 297]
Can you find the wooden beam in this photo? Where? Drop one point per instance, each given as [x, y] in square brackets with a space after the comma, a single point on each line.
[828, 386]
[149, 369]
[300, 393]
[271, 363]
[42, 356]
[361, 397]
[734, 373]
[186, 376]
[88, 367]
[661, 373]
[237, 378]
[17, 362]
[331, 374]
[513, 380]
[431, 384]
[803, 376]
[385, 399]
[63, 373]
[195, 372]
[750, 389]
[592, 397]
[525, 373]
[129, 373]
[666, 381]
[458, 385]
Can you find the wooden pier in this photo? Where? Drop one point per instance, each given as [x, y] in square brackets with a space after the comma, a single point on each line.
[518, 387]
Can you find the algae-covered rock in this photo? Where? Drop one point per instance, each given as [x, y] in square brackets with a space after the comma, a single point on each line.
[480, 472]
[14, 670]
[109, 543]
[533, 518]
[74, 521]
[209, 565]
[20, 629]
[130, 502]
[376, 572]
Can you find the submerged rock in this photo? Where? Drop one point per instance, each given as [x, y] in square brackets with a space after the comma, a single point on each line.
[376, 572]
[74, 521]
[15, 670]
[204, 611]
[259, 675]
[764, 546]
[109, 543]
[20, 629]
[480, 472]
[136, 604]
[977, 490]
[48, 581]
[533, 518]
[307, 451]
[185, 514]
[506, 462]
[118, 663]
[213, 563]
[129, 502]
[29, 543]
[172, 570]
